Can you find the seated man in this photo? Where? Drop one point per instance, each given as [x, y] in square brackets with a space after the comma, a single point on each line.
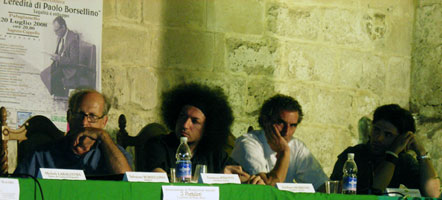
[273, 153]
[203, 115]
[86, 146]
[383, 162]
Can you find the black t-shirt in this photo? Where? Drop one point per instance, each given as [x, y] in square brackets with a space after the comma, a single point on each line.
[160, 153]
[406, 171]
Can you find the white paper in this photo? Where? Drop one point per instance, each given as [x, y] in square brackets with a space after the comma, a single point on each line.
[154, 177]
[296, 187]
[65, 174]
[27, 41]
[9, 189]
[404, 191]
[209, 178]
[190, 192]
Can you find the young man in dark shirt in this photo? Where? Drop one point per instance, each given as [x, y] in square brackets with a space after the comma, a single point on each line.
[383, 162]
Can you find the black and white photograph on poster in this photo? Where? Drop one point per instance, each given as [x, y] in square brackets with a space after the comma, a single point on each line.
[48, 48]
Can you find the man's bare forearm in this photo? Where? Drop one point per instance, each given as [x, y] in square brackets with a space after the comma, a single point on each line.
[279, 172]
[116, 159]
[429, 180]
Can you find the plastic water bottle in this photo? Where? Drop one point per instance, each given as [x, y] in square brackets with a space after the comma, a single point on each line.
[183, 163]
[349, 180]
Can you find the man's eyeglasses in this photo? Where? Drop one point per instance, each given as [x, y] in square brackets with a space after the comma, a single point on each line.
[90, 117]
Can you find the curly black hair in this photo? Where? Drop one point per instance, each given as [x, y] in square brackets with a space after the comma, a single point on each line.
[275, 105]
[399, 117]
[211, 101]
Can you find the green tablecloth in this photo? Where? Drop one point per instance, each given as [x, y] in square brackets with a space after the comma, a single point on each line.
[91, 189]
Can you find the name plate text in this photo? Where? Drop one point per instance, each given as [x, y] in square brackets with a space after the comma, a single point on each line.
[65, 174]
[9, 189]
[190, 192]
[296, 187]
[209, 178]
[153, 177]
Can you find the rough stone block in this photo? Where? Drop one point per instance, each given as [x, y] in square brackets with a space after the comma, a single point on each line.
[428, 26]
[115, 85]
[219, 53]
[426, 77]
[187, 50]
[325, 142]
[143, 87]
[301, 22]
[403, 8]
[126, 45]
[258, 90]
[344, 27]
[109, 9]
[349, 71]
[397, 37]
[321, 105]
[396, 97]
[334, 3]
[398, 74]
[175, 13]
[245, 16]
[364, 104]
[363, 71]
[153, 12]
[253, 57]
[329, 107]
[310, 63]
[129, 9]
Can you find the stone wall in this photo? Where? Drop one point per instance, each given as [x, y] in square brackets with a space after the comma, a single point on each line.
[426, 77]
[341, 59]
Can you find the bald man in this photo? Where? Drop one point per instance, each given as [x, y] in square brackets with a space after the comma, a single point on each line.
[87, 146]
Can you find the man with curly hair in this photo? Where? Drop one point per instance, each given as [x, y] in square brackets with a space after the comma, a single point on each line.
[203, 115]
[273, 153]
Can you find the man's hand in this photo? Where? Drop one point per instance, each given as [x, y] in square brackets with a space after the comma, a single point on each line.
[55, 57]
[401, 142]
[276, 142]
[85, 139]
[243, 176]
[415, 145]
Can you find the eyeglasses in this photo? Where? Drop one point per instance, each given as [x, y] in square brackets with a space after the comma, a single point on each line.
[90, 117]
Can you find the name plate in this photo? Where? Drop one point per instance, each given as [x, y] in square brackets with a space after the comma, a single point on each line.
[209, 178]
[394, 192]
[153, 177]
[9, 189]
[296, 187]
[65, 174]
[190, 192]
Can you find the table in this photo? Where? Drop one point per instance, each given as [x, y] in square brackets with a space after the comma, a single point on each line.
[94, 189]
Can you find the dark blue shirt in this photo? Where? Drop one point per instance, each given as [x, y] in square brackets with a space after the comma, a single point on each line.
[60, 155]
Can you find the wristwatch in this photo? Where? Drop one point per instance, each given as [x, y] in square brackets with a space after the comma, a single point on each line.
[426, 156]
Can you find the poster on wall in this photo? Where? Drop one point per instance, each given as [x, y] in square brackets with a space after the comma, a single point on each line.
[48, 48]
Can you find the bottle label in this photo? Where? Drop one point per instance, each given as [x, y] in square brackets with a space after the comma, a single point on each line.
[183, 169]
[349, 184]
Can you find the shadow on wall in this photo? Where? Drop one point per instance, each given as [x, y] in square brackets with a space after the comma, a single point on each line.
[191, 51]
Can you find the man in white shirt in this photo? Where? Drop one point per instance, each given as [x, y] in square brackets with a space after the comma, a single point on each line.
[273, 153]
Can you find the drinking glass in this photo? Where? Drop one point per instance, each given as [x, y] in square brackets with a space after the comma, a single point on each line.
[172, 175]
[332, 187]
[199, 169]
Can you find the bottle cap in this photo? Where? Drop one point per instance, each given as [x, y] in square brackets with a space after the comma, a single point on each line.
[183, 139]
[350, 156]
